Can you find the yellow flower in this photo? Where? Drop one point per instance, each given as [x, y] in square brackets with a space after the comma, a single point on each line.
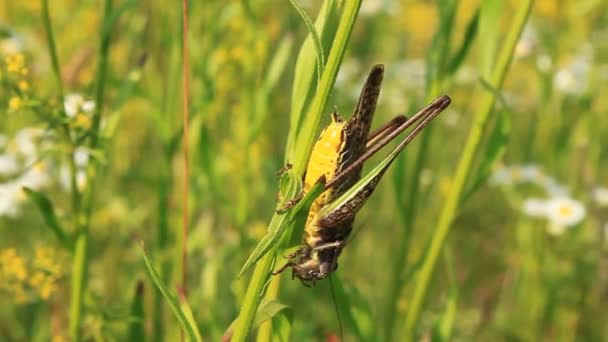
[14, 103]
[83, 121]
[14, 63]
[23, 85]
[12, 266]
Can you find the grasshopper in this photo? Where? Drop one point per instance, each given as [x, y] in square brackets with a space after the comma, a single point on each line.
[338, 156]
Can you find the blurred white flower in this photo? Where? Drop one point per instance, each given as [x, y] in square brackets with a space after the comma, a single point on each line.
[527, 43]
[600, 196]
[8, 164]
[573, 78]
[466, 75]
[65, 179]
[36, 177]
[9, 199]
[10, 45]
[26, 141]
[544, 63]
[530, 173]
[373, 7]
[81, 157]
[564, 212]
[75, 103]
[410, 73]
[535, 207]
[501, 176]
[553, 188]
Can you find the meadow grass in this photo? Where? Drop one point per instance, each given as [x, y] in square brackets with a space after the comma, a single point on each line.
[492, 225]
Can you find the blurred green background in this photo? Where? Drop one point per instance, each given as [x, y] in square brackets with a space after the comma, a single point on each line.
[527, 254]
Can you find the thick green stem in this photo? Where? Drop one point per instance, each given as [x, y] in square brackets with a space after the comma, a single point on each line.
[462, 172]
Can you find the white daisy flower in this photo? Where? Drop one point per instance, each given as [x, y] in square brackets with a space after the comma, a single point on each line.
[535, 207]
[600, 196]
[564, 212]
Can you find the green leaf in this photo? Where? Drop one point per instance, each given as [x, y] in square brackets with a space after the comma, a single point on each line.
[305, 82]
[189, 316]
[320, 56]
[171, 299]
[266, 311]
[281, 326]
[48, 214]
[465, 47]
[278, 63]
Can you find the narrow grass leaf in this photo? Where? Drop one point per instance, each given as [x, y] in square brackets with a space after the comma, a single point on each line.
[136, 327]
[170, 297]
[305, 82]
[466, 44]
[281, 326]
[463, 171]
[320, 56]
[267, 310]
[45, 206]
[278, 63]
[188, 315]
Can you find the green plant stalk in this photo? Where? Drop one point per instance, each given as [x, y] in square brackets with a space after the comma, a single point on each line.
[463, 171]
[262, 268]
[265, 330]
[253, 297]
[80, 266]
[408, 217]
[46, 18]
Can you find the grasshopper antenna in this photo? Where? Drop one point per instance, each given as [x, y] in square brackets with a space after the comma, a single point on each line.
[333, 296]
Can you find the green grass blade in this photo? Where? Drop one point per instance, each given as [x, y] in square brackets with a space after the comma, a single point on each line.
[463, 171]
[45, 206]
[306, 136]
[320, 55]
[171, 299]
[136, 328]
[305, 83]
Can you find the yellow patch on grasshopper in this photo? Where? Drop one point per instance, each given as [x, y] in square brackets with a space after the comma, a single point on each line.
[338, 156]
